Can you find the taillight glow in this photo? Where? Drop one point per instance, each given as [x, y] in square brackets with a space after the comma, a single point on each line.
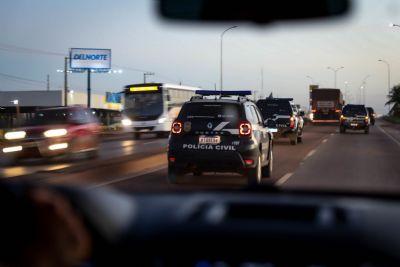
[291, 122]
[245, 129]
[171, 159]
[176, 127]
[249, 161]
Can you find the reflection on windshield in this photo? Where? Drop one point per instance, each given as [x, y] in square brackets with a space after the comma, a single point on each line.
[270, 109]
[144, 104]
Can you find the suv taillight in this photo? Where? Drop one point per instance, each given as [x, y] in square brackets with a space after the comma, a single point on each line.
[292, 122]
[176, 127]
[245, 128]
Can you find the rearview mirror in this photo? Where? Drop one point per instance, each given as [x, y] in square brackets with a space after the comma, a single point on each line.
[259, 11]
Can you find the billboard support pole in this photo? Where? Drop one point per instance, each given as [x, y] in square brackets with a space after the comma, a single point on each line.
[88, 88]
[66, 81]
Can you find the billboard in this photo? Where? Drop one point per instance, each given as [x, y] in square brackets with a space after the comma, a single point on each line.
[90, 58]
[113, 97]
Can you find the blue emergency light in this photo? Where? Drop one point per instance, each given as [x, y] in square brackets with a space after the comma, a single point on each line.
[223, 93]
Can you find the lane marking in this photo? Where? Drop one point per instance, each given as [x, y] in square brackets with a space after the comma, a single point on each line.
[310, 154]
[283, 179]
[128, 177]
[389, 135]
[324, 141]
[332, 134]
[151, 142]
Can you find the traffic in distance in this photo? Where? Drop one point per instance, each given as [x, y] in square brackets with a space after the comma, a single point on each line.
[208, 131]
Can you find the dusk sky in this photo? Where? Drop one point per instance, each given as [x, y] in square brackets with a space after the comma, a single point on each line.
[140, 40]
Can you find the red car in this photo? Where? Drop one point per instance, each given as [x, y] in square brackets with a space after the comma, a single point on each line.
[54, 132]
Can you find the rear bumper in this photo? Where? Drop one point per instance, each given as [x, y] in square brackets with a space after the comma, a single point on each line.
[354, 125]
[213, 161]
[284, 132]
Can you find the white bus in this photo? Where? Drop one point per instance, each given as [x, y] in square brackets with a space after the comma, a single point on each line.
[152, 107]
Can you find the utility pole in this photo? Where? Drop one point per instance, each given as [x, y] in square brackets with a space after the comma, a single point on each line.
[66, 81]
[262, 80]
[48, 82]
[145, 74]
[88, 88]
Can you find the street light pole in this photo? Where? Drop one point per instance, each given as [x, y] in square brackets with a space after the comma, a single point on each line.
[66, 81]
[221, 54]
[312, 79]
[362, 90]
[335, 71]
[388, 73]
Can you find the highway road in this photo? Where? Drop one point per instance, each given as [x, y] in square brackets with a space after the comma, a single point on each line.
[325, 160]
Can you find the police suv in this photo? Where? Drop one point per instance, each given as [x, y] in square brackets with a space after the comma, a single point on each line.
[220, 132]
[284, 115]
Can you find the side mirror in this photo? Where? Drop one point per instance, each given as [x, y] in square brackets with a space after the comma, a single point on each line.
[302, 113]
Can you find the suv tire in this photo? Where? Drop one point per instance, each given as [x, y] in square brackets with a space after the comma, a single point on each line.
[342, 129]
[293, 139]
[266, 171]
[136, 136]
[174, 175]
[366, 130]
[254, 175]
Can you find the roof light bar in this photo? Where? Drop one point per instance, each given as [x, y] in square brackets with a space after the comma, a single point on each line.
[223, 93]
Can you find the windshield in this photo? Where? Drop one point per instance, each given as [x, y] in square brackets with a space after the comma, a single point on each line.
[143, 104]
[354, 110]
[142, 76]
[271, 108]
[207, 111]
[50, 117]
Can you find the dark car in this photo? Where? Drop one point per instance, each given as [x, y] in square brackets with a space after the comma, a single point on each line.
[53, 132]
[372, 115]
[281, 111]
[220, 134]
[354, 117]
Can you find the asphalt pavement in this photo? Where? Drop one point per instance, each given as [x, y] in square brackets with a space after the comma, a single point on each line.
[325, 160]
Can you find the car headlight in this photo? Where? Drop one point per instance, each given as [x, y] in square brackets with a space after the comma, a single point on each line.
[126, 122]
[55, 133]
[15, 135]
[162, 120]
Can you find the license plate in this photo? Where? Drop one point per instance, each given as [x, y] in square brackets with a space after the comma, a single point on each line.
[354, 124]
[213, 140]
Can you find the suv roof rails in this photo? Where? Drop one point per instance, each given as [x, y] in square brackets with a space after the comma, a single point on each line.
[241, 95]
[275, 98]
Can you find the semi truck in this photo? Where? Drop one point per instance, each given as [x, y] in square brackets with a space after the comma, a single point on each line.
[326, 105]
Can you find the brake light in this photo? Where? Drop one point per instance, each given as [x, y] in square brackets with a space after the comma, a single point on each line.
[249, 161]
[291, 122]
[245, 129]
[176, 127]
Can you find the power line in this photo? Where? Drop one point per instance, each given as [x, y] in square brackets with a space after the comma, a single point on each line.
[12, 77]
[19, 49]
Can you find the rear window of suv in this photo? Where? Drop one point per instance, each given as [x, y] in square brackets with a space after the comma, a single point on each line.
[198, 111]
[269, 108]
[354, 110]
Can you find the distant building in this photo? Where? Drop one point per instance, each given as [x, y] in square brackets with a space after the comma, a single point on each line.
[29, 101]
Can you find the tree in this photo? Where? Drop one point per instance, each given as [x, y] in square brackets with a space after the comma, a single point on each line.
[394, 100]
